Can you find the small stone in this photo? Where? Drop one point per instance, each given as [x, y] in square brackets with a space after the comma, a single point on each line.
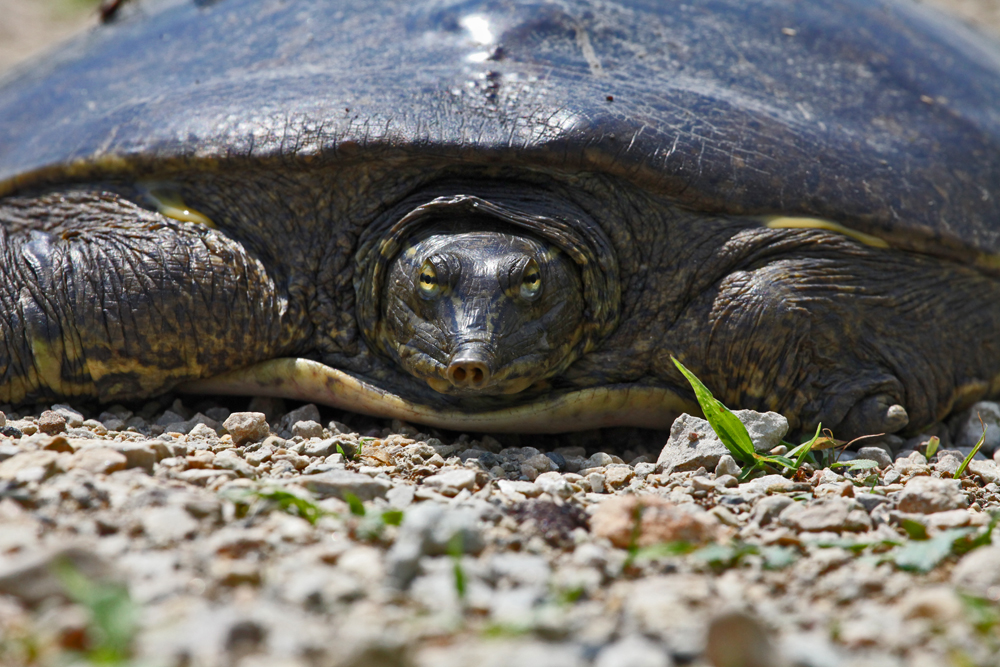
[232, 573]
[307, 412]
[246, 427]
[924, 495]
[693, 444]
[596, 482]
[98, 460]
[870, 500]
[938, 604]
[876, 454]
[659, 521]
[644, 469]
[169, 417]
[166, 525]
[34, 577]
[598, 460]
[554, 484]
[202, 432]
[541, 463]
[139, 454]
[529, 489]
[830, 513]
[947, 465]
[618, 475]
[51, 423]
[736, 639]
[111, 422]
[203, 477]
[259, 455]
[8, 450]
[95, 426]
[59, 444]
[557, 459]
[450, 482]
[339, 483]
[727, 466]
[431, 529]
[30, 466]
[307, 429]
[74, 419]
[768, 509]
[229, 460]
[989, 471]
[400, 497]
[633, 651]
[325, 448]
[978, 573]
[768, 484]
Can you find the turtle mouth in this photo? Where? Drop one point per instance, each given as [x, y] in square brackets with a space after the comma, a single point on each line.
[471, 371]
[551, 412]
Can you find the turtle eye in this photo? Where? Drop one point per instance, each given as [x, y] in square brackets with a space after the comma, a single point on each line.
[531, 280]
[427, 281]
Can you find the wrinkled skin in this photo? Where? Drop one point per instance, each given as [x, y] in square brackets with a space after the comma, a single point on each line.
[641, 210]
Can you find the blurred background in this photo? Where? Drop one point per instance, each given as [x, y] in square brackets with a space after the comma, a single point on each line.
[28, 27]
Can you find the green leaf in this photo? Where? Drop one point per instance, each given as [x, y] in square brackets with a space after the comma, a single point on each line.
[664, 549]
[392, 517]
[456, 547]
[776, 558]
[965, 463]
[932, 447]
[357, 507]
[924, 555]
[778, 459]
[113, 615]
[291, 503]
[982, 612]
[726, 425]
[914, 529]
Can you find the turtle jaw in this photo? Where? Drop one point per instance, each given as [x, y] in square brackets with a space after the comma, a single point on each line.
[555, 412]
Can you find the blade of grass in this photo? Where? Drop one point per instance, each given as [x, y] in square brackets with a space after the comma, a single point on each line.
[975, 450]
[726, 425]
[805, 448]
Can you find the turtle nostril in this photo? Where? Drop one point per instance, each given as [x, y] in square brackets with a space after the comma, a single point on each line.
[469, 369]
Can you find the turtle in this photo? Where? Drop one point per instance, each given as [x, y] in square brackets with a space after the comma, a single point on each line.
[509, 215]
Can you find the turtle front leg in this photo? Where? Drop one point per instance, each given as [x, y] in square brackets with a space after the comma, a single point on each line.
[863, 340]
[103, 299]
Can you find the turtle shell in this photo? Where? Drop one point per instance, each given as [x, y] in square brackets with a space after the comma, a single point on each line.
[878, 115]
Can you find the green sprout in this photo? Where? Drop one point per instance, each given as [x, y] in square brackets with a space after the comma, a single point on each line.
[734, 435]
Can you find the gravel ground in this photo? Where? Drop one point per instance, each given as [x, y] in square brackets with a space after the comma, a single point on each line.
[274, 537]
[177, 533]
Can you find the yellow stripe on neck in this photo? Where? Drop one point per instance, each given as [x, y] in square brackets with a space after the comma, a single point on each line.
[786, 222]
[171, 205]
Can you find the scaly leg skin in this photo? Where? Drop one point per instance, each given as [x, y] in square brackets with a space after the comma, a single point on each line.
[864, 340]
[103, 299]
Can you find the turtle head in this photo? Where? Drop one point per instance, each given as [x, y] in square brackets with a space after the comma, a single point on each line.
[481, 312]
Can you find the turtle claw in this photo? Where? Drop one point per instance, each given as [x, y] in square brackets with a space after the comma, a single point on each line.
[873, 415]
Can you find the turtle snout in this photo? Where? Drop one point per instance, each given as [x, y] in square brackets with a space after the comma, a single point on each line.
[471, 367]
